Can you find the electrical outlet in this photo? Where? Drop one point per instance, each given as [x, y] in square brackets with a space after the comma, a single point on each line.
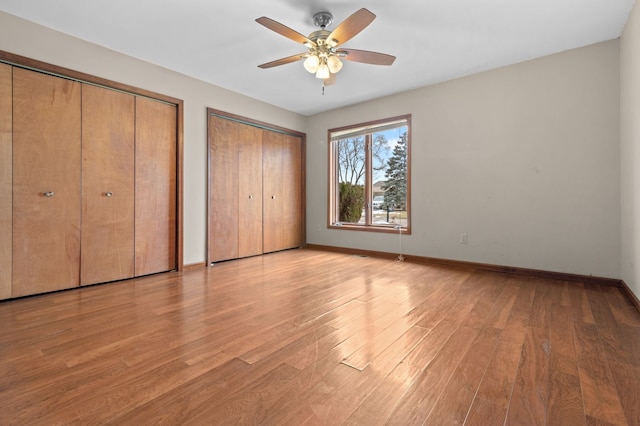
[463, 238]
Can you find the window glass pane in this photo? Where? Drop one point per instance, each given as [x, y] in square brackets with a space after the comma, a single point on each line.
[369, 175]
[351, 171]
[391, 179]
[380, 150]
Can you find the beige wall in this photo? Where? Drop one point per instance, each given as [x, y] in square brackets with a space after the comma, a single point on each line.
[523, 159]
[630, 149]
[34, 41]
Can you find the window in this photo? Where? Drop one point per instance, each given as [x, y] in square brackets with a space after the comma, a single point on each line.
[369, 179]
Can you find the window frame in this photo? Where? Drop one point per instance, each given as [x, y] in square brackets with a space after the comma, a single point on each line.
[367, 128]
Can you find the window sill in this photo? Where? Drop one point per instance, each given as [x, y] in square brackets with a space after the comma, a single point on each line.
[387, 229]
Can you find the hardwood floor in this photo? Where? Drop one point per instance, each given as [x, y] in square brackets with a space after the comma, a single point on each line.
[311, 337]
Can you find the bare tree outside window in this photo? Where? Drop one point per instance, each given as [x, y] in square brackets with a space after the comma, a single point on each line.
[352, 168]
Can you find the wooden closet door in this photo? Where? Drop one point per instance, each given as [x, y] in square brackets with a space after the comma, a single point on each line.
[223, 189]
[273, 204]
[292, 212]
[46, 183]
[155, 187]
[249, 190]
[107, 245]
[6, 180]
[282, 191]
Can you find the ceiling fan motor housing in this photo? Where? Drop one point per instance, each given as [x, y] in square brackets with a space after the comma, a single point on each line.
[322, 19]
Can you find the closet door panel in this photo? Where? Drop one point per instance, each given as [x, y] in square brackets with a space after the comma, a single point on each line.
[273, 206]
[223, 189]
[255, 189]
[107, 248]
[46, 183]
[292, 191]
[6, 180]
[155, 187]
[250, 190]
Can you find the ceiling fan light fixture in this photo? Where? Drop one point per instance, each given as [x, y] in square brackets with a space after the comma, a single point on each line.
[323, 71]
[324, 58]
[334, 63]
[311, 63]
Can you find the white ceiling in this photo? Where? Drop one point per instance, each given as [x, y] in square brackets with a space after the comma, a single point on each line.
[218, 41]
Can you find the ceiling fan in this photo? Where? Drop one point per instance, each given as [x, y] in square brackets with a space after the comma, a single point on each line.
[325, 54]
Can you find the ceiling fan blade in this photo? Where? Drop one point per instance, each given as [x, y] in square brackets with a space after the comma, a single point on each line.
[366, 57]
[329, 81]
[283, 30]
[283, 61]
[351, 26]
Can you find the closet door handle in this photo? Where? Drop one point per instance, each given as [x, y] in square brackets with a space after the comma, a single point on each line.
[273, 197]
[251, 197]
[108, 194]
[49, 194]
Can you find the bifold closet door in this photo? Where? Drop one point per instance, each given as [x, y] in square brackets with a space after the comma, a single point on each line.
[107, 249]
[235, 187]
[223, 190]
[282, 177]
[292, 177]
[155, 187]
[273, 210]
[6, 180]
[249, 190]
[46, 182]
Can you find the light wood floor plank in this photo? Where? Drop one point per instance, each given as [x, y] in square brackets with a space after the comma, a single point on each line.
[312, 337]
